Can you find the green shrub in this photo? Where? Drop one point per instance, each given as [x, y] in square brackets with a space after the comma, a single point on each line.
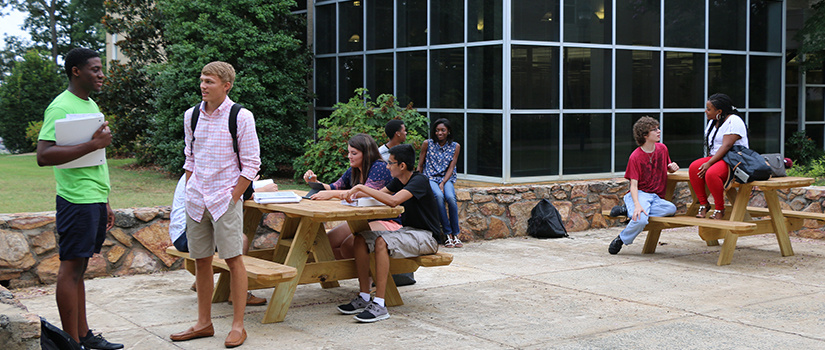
[802, 149]
[327, 156]
[33, 132]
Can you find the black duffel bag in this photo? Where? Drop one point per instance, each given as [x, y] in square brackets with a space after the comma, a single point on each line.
[746, 165]
[545, 221]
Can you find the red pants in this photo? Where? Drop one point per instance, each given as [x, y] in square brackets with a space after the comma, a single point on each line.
[714, 178]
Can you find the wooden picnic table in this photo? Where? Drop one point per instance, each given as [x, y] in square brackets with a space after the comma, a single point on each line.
[740, 220]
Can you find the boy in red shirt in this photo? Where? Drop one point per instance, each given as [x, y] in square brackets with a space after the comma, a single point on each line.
[647, 171]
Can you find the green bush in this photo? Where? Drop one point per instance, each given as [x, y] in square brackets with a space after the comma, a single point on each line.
[33, 132]
[801, 149]
[327, 156]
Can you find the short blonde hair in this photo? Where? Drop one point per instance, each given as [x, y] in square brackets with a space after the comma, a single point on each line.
[224, 71]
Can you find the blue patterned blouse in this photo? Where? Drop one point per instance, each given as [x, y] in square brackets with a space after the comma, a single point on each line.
[378, 177]
[438, 160]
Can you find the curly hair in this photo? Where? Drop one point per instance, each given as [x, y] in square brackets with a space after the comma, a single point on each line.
[643, 126]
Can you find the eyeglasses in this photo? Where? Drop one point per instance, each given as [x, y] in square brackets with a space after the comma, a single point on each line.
[392, 163]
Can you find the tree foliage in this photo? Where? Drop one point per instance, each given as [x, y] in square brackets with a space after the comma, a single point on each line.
[327, 156]
[16, 47]
[811, 38]
[24, 96]
[258, 38]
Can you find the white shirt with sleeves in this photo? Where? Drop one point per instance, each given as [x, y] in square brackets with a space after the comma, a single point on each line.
[733, 125]
[177, 218]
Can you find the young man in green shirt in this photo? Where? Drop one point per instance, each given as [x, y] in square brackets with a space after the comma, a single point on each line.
[83, 212]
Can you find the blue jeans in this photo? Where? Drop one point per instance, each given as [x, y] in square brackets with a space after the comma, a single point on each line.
[652, 205]
[450, 224]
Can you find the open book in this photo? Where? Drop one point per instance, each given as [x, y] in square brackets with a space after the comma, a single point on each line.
[276, 197]
[363, 202]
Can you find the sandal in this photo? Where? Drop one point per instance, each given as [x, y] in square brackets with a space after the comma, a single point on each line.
[703, 211]
[718, 215]
[449, 243]
[457, 243]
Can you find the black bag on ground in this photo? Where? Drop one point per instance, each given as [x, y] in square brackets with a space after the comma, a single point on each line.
[545, 221]
[53, 338]
[746, 165]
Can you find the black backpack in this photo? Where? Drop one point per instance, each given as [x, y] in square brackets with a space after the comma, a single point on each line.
[233, 130]
[53, 338]
[545, 221]
[746, 165]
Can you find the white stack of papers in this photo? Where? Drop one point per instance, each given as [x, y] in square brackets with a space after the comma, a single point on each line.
[76, 129]
[276, 197]
[363, 202]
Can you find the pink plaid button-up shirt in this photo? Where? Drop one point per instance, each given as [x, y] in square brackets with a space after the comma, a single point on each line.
[213, 162]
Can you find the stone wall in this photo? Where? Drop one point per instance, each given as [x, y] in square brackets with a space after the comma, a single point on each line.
[19, 329]
[28, 243]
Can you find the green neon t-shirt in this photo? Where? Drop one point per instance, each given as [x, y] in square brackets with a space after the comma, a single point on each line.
[77, 185]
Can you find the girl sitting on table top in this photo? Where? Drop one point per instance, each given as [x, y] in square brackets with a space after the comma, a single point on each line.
[439, 156]
[366, 168]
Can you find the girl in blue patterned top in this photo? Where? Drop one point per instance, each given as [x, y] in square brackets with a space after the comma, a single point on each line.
[439, 156]
[365, 167]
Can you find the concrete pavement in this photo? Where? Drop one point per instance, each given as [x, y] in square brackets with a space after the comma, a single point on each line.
[518, 293]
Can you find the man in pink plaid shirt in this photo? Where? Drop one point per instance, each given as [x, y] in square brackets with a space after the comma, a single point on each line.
[214, 187]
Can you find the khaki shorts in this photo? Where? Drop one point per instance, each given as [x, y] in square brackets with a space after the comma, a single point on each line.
[406, 242]
[226, 233]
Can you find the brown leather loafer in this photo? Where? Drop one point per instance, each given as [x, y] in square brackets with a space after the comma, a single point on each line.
[252, 300]
[235, 338]
[191, 333]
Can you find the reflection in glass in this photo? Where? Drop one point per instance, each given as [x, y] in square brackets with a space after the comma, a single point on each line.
[588, 21]
[637, 79]
[484, 77]
[484, 144]
[791, 68]
[379, 74]
[766, 25]
[379, 24]
[586, 143]
[321, 114]
[536, 20]
[766, 82]
[447, 78]
[814, 104]
[815, 76]
[350, 76]
[587, 78]
[726, 74]
[535, 77]
[764, 132]
[625, 142]
[412, 82]
[685, 23]
[325, 24]
[301, 25]
[325, 82]
[637, 23]
[350, 30]
[684, 79]
[457, 125]
[446, 22]
[791, 104]
[682, 134]
[726, 26]
[815, 132]
[484, 20]
[535, 147]
[412, 22]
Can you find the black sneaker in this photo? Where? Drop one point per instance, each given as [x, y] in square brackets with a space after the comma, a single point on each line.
[91, 341]
[373, 313]
[615, 246]
[355, 306]
[619, 210]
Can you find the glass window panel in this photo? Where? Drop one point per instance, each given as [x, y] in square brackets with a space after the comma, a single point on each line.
[446, 21]
[484, 20]
[536, 20]
[726, 74]
[300, 5]
[484, 144]
[587, 78]
[637, 79]
[764, 132]
[815, 132]
[447, 78]
[320, 115]
[325, 82]
[637, 23]
[588, 21]
[814, 76]
[791, 68]
[682, 134]
[379, 74]
[457, 127]
[301, 26]
[350, 76]
[379, 24]
[684, 80]
[766, 25]
[351, 26]
[535, 77]
[791, 104]
[814, 105]
[535, 148]
[790, 129]
[586, 142]
[325, 25]
[484, 77]
[412, 22]
[625, 142]
[412, 82]
[766, 82]
[726, 25]
[685, 23]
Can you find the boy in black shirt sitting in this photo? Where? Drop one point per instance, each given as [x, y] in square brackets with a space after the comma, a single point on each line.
[417, 237]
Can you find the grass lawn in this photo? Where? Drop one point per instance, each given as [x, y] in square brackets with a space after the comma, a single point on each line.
[27, 187]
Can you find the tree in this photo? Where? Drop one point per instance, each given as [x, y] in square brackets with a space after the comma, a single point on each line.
[811, 38]
[32, 85]
[16, 47]
[258, 37]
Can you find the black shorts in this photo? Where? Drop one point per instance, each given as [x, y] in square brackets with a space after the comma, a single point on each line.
[81, 228]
